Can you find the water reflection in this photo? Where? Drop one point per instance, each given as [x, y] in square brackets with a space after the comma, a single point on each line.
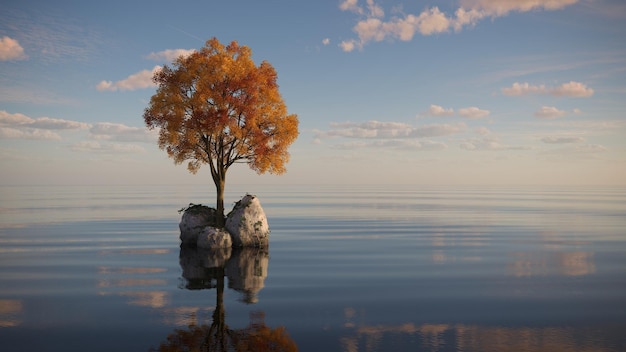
[246, 270]
[577, 263]
[469, 338]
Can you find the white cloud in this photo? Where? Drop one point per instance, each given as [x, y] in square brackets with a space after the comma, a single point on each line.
[429, 22]
[549, 112]
[326, 41]
[375, 10]
[473, 112]
[170, 55]
[570, 89]
[14, 119]
[436, 110]
[518, 89]
[350, 5]
[348, 45]
[433, 20]
[10, 49]
[466, 18]
[562, 140]
[139, 80]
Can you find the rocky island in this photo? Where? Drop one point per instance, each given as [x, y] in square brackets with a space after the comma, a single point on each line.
[246, 226]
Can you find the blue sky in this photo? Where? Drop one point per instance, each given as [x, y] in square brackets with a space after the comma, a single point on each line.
[412, 92]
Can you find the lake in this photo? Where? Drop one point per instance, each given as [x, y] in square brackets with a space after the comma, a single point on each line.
[356, 268]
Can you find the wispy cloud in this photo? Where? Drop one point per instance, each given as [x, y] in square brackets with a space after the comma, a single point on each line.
[497, 8]
[396, 144]
[139, 80]
[121, 133]
[473, 112]
[562, 140]
[549, 112]
[570, 89]
[488, 143]
[432, 20]
[575, 152]
[10, 49]
[50, 36]
[388, 130]
[388, 135]
[106, 148]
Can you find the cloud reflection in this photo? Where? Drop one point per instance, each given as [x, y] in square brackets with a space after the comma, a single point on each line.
[526, 264]
[10, 309]
[467, 337]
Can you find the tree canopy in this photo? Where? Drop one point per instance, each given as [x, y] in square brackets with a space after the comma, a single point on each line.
[217, 107]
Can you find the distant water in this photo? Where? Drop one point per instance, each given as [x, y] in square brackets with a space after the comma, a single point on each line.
[380, 268]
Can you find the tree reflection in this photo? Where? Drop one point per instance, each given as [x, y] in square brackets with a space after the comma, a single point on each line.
[246, 270]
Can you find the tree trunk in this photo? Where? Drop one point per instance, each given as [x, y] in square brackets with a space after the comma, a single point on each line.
[219, 187]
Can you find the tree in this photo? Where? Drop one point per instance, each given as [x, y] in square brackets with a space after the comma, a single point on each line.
[216, 107]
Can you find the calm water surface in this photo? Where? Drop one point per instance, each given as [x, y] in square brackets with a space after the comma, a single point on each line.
[348, 269]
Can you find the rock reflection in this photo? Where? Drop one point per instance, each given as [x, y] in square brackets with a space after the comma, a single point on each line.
[246, 270]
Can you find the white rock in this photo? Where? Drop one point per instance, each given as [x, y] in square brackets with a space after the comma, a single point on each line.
[213, 238]
[247, 223]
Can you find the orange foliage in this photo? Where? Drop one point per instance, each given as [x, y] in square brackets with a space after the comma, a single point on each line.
[217, 107]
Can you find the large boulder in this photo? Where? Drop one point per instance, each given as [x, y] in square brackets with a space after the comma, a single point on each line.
[193, 222]
[247, 223]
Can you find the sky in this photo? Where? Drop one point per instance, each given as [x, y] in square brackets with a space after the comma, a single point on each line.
[450, 92]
